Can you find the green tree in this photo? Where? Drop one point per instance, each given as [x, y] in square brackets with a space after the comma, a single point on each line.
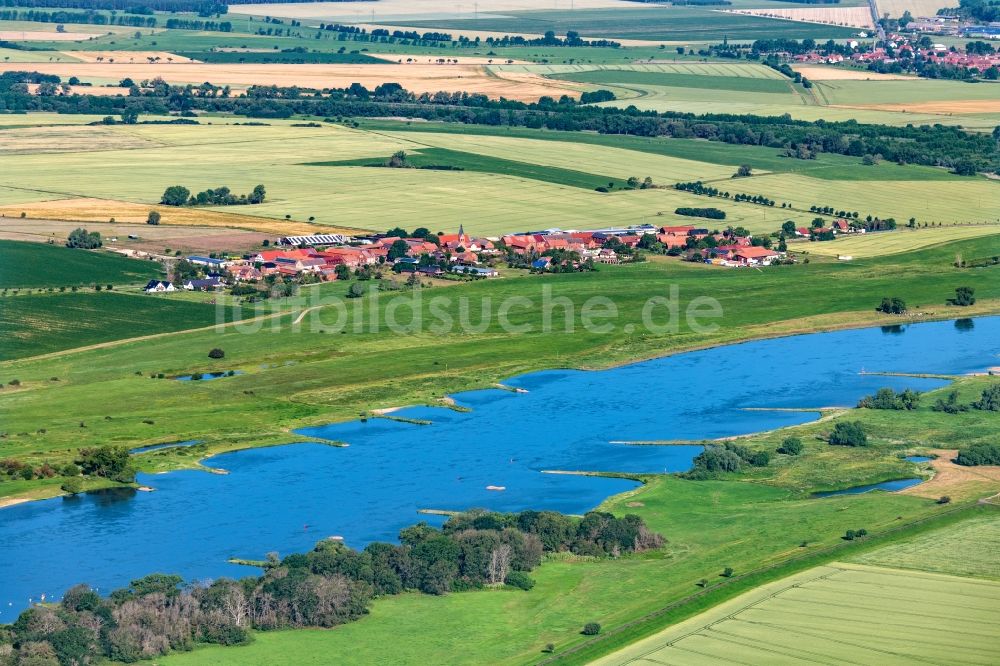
[153, 217]
[591, 629]
[175, 195]
[964, 296]
[990, 400]
[791, 446]
[110, 462]
[744, 171]
[130, 116]
[399, 248]
[848, 433]
[258, 194]
[80, 238]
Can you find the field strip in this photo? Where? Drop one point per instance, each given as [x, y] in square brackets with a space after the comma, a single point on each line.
[756, 625]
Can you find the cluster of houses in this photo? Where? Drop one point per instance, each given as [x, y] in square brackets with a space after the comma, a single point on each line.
[331, 257]
[902, 47]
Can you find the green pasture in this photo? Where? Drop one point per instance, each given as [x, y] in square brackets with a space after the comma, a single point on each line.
[17, 55]
[650, 23]
[968, 548]
[39, 265]
[729, 69]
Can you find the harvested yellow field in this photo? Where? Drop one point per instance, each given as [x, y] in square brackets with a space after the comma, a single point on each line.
[126, 56]
[895, 8]
[103, 210]
[415, 77]
[824, 73]
[855, 17]
[959, 106]
[46, 36]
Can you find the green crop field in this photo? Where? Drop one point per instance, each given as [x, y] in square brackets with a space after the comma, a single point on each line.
[968, 548]
[42, 323]
[901, 240]
[904, 92]
[653, 23]
[835, 614]
[445, 159]
[688, 81]
[39, 265]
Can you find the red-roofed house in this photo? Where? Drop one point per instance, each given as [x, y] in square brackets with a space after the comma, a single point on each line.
[755, 256]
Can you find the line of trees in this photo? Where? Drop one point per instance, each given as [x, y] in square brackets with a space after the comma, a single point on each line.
[710, 213]
[328, 586]
[88, 17]
[178, 195]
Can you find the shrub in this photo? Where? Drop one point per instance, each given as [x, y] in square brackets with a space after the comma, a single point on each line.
[216, 353]
[894, 305]
[944, 499]
[728, 572]
[72, 485]
[979, 454]
[153, 217]
[792, 446]
[591, 629]
[886, 398]
[520, 580]
[964, 297]
[849, 433]
[950, 405]
[551, 647]
[990, 400]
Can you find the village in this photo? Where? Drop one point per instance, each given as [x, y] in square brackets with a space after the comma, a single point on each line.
[460, 256]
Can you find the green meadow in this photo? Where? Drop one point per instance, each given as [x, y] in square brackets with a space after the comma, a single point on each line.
[40, 265]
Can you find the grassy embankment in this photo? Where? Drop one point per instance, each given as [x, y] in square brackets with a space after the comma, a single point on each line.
[325, 369]
[764, 526]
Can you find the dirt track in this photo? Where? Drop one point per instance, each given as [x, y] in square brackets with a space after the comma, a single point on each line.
[949, 477]
[416, 77]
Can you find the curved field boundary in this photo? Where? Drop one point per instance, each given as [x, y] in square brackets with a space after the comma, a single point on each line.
[686, 607]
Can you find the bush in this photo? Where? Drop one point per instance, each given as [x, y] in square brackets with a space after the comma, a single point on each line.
[849, 433]
[894, 305]
[728, 572]
[944, 499]
[964, 297]
[979, 454]
[153, 217]
[792, 446]
[886, 398]
[990, 400]
[591, 629]
[520, 580]
[72, 485]
[216, 353]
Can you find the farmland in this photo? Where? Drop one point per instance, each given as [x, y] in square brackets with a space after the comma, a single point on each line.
[678, 24]
[968, 548]
[838, 612]
[68, 267]
[903, 240]
[305, 198]
[42, 323]
[754, 566]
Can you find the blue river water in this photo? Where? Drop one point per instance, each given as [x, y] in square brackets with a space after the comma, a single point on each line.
[289, 497]
[888, 486]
